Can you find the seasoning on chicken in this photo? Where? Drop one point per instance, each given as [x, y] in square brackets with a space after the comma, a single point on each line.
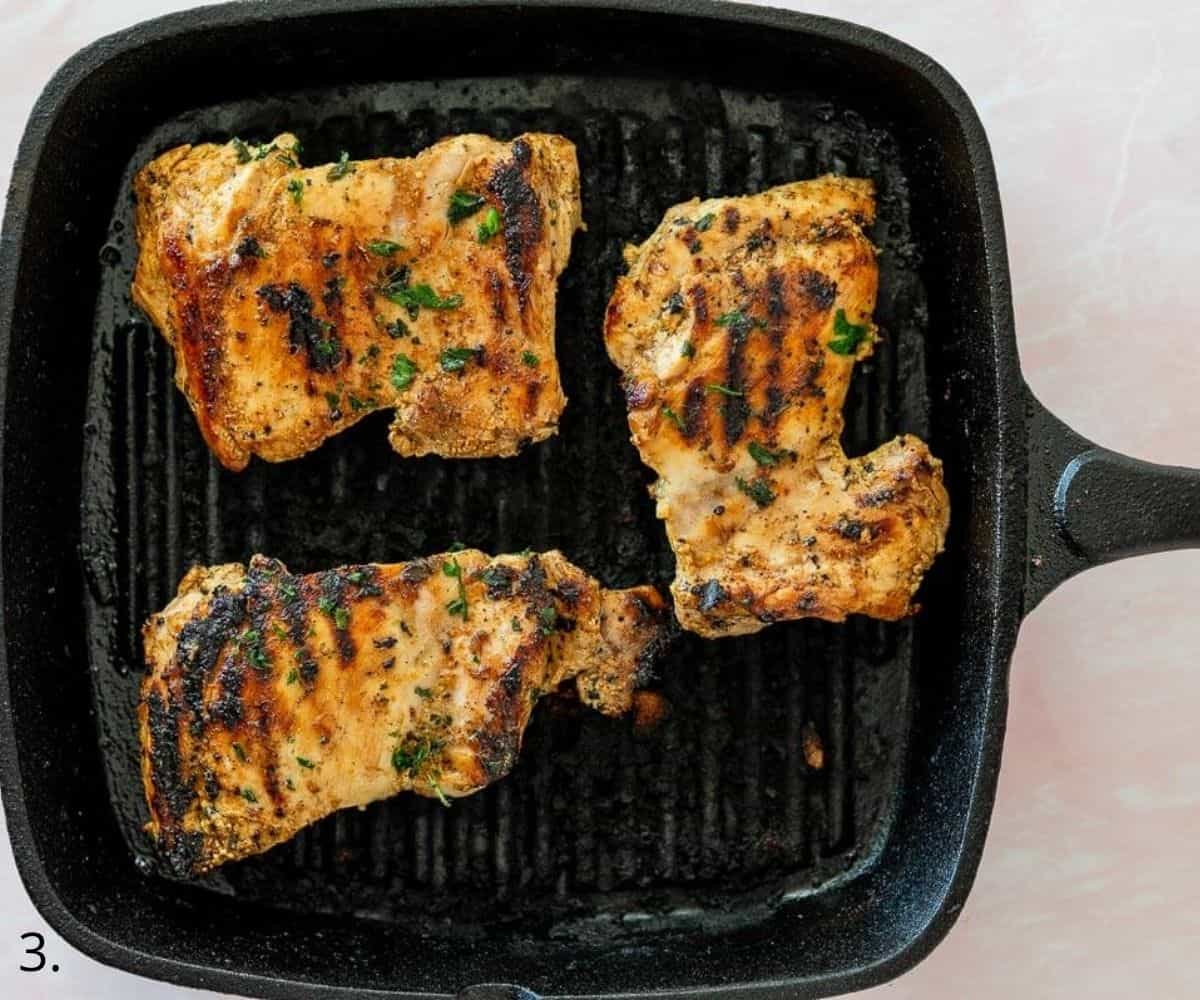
[737, 327]
[298, 300]
[273, 700]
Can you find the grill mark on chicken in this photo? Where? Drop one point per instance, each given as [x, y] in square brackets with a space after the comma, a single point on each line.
[441, 711]
[521, 212]
[758, 515]
[284, 293]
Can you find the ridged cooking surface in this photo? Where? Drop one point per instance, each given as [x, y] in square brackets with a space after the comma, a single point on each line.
[716, 810]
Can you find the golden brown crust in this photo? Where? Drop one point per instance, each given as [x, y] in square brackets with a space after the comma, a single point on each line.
[737, 328]
[272, 699]
[272, 283]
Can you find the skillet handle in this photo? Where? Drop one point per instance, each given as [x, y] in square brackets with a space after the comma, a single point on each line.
[1089, 506]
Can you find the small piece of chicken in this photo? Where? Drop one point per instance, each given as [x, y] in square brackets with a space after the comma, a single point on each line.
[737, 327]
[273, 700]
[300, 300]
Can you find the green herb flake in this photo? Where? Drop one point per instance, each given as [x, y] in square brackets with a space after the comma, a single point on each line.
[529, 359]
[423, 692]
[846, 335]
[739, 323]
[305, 762]
[454, 359]
[516, 625]
[240, 751]
[413, 297]
[490, 225]
[291, 785]
[724, 390]
[704, 223]
[764, 455]
[342, 168]
[243, 151]
[674, 417]
[341, 618]
[688, 350]
[414, 756]
[288, 591]
[356, 404]
[404, 370]
[334, 401]
[384, 248]
[292, 677]
[464, 204]
[758, 490]
[369, 355]
[547, 619]
[458, 606]
[296, 190]
[249, 795]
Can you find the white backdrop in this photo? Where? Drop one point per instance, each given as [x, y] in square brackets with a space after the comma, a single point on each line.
[1090, 882]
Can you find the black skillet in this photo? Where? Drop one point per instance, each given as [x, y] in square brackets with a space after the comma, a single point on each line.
[709, 855]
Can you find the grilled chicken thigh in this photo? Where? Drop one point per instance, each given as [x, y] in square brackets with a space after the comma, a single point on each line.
[737, 327]
[300, 300]
[273, 700]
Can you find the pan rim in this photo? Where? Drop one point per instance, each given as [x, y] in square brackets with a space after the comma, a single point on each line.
[1008, 490]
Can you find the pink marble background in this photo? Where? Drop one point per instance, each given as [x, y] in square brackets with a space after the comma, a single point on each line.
[1090, 882]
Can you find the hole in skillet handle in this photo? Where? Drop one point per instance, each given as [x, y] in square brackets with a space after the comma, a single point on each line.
[497, 991]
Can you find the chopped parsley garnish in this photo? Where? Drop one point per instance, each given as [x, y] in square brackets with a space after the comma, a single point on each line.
[413, 755]
[547, 619]
[764, 455]
[423, 692]
[490, 225]
[305, 762]
[241, 753]
[292, 676]
[846, 335]
[464, 204]
[288, 590]
[296, 189]
[384, 248]
[369, 355]
[356, 404]
[458, 606]
[249, 795]
[672, 416]
[454, 359]
[724, 390]
[739, 323]
[340, 616]
[326, 350]
[758, 490]
[342, 167]
[335, 402]
[688, 350]
[705, 222]
[530, 359]
[516, 625]
[243, 151]
[413, 297]
[404, 370]
[250, 643]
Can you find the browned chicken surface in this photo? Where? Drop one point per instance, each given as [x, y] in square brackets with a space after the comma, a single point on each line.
[298, 300]
[274, 699]
[737, 327]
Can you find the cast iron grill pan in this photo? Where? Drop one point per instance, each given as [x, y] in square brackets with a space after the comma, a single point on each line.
[712, 818]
